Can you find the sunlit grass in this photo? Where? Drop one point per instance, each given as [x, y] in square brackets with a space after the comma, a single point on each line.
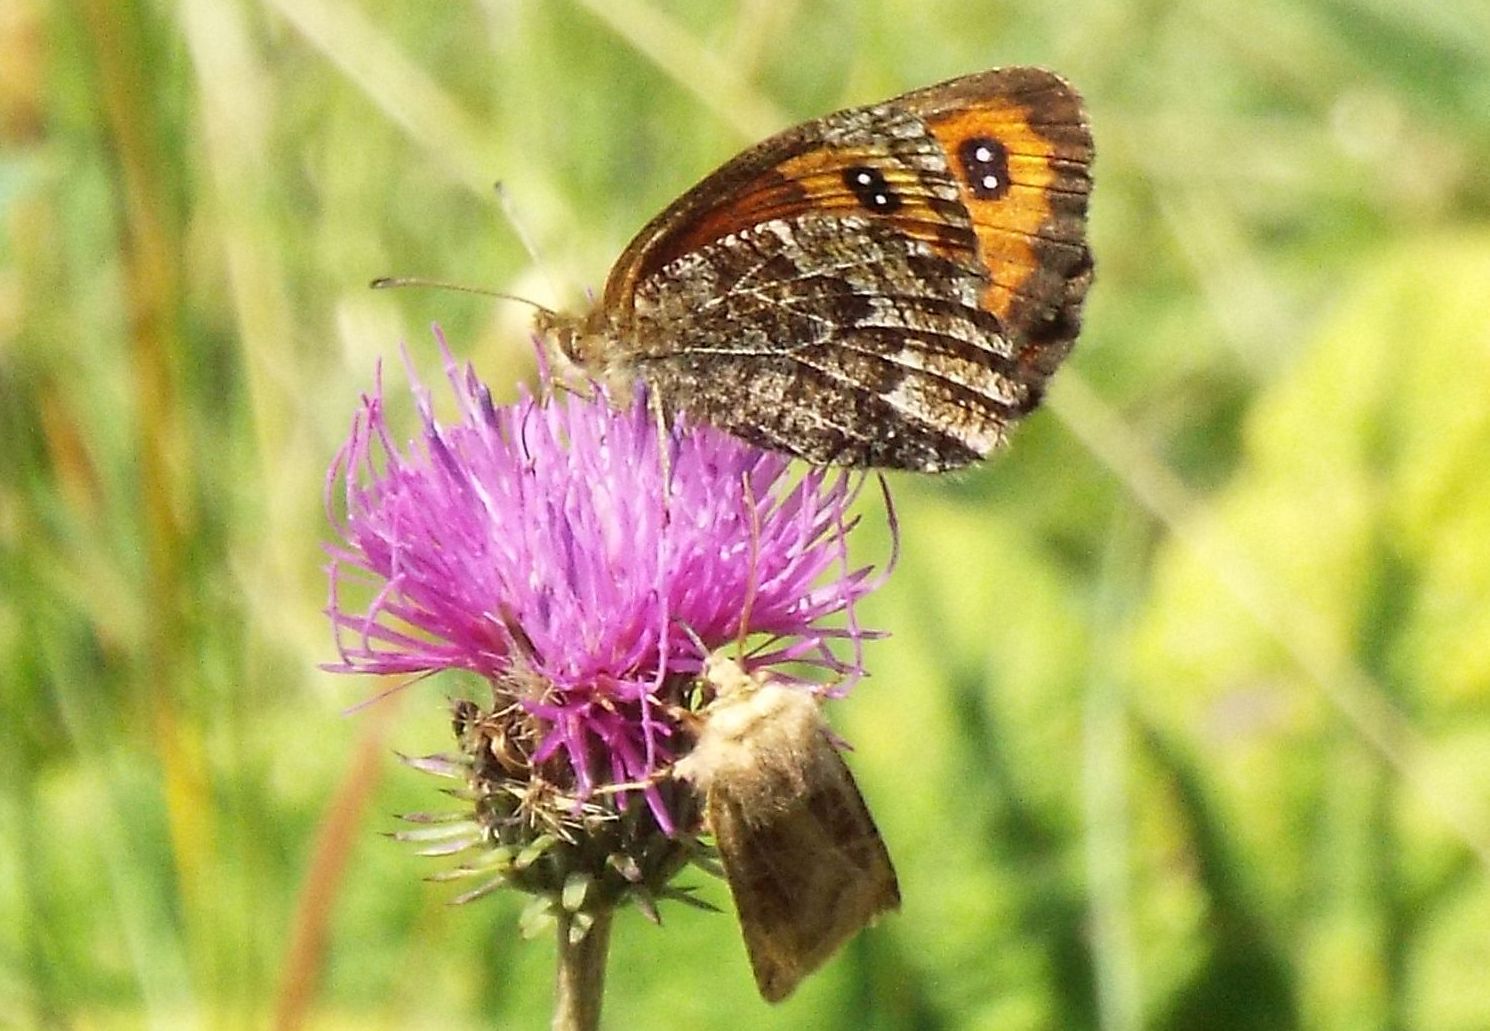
[1183, 721]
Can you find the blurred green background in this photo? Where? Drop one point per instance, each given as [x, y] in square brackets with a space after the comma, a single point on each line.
[1185, 722]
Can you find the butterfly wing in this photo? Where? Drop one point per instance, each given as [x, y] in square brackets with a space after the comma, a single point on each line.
[843, 292]
[1020, 146]
[836, 339]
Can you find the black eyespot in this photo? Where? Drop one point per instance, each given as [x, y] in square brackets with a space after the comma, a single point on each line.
[871, 190]
[985, 167]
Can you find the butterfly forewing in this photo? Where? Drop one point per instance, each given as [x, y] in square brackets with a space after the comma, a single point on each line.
[833, 165]
[1018, 140]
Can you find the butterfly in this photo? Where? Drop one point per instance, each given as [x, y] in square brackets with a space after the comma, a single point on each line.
[805, 864]
[887, 286]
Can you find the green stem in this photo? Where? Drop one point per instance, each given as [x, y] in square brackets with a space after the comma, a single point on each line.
[579, 983]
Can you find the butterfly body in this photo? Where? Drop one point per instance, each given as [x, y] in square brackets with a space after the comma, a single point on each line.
[885, 286]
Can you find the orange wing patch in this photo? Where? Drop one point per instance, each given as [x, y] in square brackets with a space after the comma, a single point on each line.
[826, 179]
[1027, 197]
[770, 195]
[817, 181]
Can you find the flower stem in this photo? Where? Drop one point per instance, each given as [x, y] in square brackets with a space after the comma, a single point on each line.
[579, 983]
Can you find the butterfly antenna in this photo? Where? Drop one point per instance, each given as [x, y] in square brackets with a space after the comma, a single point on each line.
[524, 237]
[390, 282]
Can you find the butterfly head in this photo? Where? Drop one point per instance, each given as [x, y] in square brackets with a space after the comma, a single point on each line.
[582, 339]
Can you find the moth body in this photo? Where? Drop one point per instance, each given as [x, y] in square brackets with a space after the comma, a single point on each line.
[804, 861]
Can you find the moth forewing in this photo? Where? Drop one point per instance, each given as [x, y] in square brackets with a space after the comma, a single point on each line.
[805, 864]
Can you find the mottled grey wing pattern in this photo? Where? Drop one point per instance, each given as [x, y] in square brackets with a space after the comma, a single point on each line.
[835, 338]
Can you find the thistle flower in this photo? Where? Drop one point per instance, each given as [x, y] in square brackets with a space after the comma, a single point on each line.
[584, 560]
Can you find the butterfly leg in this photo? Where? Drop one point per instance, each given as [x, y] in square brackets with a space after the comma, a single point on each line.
[664, 454]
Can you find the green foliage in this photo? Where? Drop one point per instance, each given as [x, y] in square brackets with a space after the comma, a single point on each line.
[1185, 722]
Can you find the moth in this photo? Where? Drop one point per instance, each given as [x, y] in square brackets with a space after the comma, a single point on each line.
[889, 285]
[805, 863]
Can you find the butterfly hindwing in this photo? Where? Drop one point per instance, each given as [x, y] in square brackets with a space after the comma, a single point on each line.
[836, 339]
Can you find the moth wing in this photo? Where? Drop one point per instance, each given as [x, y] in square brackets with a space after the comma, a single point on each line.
[805, 864]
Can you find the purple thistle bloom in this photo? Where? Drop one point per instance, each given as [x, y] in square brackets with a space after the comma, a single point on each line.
[535, 542]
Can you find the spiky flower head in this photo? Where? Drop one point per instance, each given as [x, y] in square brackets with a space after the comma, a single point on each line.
[582, 559]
